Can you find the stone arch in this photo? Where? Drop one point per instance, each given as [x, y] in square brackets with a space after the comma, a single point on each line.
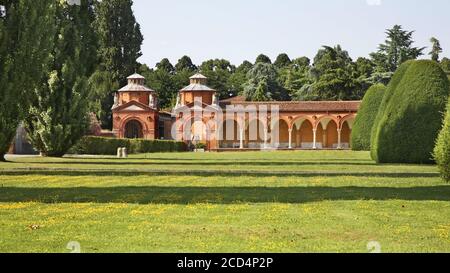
[331, 135]
[302, 133]
[133, 129]
[229, 139]
[325, 120]
[125, 121]
[280, 134]
[346, 130]
[300, 119]
[196, 130]
[350, 119]
[255, 134]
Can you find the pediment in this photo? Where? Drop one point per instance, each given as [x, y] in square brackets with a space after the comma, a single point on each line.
[133, 106]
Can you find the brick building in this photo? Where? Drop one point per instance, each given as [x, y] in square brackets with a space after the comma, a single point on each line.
[299, 125]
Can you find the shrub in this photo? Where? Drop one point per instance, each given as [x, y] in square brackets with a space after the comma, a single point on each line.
[411, 121]
[362, 129]
[442, 150]
[109, 146]
[396, 78]
[200, 146]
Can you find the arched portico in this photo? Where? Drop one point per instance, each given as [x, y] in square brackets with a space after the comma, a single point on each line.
[302, 133]
[229, 134]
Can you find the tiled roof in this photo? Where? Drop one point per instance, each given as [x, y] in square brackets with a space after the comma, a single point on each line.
[301, 106]
[135, 88]
[233, 99]
[197, 87]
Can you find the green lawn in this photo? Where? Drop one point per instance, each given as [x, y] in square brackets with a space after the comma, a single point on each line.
[305, 201]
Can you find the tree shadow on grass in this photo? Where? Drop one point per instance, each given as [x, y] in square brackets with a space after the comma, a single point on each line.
[205, 163]
[220, 195]
[209, 173]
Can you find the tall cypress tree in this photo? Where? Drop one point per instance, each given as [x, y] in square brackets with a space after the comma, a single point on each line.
[59, 111]
[120, 41]
[26, 31]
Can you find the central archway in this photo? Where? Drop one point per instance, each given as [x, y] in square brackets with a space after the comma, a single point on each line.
[133, 129]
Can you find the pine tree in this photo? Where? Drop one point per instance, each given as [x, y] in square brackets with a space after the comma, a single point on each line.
[120, 41]
[282, 60]
[59, 110]
[436, 49]
[23, 59]
[261, 91]
[397, 49]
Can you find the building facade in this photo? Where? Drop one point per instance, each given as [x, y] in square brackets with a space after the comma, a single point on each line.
[135, 110]
[232, 124]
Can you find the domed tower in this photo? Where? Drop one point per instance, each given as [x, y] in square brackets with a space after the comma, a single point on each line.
[136, 91]
[196, 90]
[135, 110]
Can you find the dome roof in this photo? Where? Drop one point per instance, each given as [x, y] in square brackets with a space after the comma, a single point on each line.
[136, 76]
[198, 76]
[136, 88]
[197, 87]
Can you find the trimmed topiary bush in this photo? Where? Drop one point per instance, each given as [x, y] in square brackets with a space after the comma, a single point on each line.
[396, 78]
[108, 146]
[410, 123]
[362, 129]
[442, 150]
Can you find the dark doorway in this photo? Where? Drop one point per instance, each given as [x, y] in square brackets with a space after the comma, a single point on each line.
[133, 129]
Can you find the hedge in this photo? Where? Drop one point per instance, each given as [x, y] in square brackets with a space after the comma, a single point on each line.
[396, 78]
[108, 146]
[442, 150]
[362, 129]
[412, 118]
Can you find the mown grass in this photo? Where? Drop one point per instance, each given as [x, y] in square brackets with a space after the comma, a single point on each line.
[232, 202]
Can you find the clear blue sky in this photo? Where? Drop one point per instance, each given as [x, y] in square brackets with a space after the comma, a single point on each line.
[240, 30]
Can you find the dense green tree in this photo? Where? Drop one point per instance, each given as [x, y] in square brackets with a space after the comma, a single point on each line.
[26, 32]
[59, 108]
[282, 61]
[119, 47]
[164, 82]
[165, 65]
[333, 75]
[445, 64]
[262, 92]
[238, 78]
[295, 76]
[436, 49]
[442, 150]
[412, 118]
[263, 59]
[218, 72]
[185, 63]
[164, 85]
[362, 129]
[264, 72]
[364, 67]
[397, 49]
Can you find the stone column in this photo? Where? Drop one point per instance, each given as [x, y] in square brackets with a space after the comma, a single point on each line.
[315, 139]
[266, 138]
[241, 139]
[339, 139]
[290, 138]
